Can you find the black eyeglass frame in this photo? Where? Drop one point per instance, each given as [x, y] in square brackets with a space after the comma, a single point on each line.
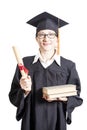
[49, 35]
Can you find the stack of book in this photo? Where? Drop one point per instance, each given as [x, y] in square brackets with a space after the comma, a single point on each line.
[59, 91]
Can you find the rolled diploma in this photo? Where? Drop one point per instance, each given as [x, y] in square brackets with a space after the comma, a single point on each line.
[19, 60]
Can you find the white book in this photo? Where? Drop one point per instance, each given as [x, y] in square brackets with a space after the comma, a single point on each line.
[59, 89]
[58, 95]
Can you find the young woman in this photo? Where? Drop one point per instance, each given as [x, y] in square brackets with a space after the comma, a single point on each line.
[45, 69]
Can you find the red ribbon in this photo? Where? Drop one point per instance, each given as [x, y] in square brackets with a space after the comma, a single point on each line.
[22, 67]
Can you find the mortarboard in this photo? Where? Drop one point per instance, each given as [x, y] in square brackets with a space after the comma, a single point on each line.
[46, 20]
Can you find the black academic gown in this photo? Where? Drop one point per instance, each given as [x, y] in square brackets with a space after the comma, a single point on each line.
[35, 112]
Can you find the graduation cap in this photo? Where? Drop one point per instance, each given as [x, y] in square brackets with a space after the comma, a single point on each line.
[46, 20]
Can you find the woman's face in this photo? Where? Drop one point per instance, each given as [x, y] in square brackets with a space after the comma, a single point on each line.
[47, 40]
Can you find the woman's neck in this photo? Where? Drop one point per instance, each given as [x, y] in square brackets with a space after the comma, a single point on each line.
[47, 55]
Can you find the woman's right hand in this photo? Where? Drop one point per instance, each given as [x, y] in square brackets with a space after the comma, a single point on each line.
[26, 83]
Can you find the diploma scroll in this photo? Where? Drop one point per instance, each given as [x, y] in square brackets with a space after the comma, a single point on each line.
[21, 66]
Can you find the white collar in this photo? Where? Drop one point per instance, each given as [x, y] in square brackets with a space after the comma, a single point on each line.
[55, 57]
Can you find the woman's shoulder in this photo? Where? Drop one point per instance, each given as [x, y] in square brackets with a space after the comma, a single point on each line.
[28, 59]
[66, 62]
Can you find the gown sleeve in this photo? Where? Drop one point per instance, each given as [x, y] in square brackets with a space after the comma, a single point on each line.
[16, 95]
[73, 101]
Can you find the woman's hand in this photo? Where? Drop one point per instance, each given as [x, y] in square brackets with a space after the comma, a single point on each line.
[25, 83]
[64, 99]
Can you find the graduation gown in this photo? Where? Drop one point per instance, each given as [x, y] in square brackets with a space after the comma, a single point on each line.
[36, 113]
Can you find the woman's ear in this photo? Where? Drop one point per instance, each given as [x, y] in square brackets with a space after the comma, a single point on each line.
[56, 43]
[36, 38]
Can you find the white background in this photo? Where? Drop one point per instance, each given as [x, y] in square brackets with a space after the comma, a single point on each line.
[14, 31]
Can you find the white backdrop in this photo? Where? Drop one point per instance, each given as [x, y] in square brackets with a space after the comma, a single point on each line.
[14, 31]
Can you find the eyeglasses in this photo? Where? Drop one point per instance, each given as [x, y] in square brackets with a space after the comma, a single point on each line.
[49, 35]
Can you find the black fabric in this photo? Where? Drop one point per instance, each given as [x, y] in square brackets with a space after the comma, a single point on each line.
[46, 20]
[35, 112]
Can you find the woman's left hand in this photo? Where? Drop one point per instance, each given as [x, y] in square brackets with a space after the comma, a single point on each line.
[56, 99]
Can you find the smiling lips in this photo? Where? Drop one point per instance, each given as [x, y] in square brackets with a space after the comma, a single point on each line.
[46, 43]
